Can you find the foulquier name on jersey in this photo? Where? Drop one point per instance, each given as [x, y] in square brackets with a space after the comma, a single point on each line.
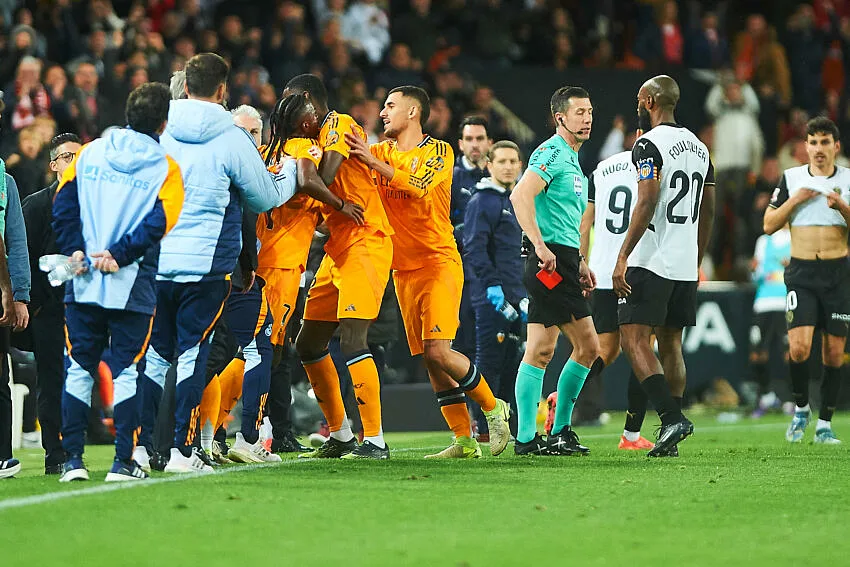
[683, 146]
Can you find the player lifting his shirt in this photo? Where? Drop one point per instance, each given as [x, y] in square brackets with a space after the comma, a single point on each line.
[414, 174]
[348, 289]
[814, 199]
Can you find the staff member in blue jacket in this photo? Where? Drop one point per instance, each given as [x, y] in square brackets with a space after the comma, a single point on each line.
[492, 244]
[222, 173]
[111, 300]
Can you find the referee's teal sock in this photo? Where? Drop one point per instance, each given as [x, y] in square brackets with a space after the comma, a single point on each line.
[528, 389]
[569, 385]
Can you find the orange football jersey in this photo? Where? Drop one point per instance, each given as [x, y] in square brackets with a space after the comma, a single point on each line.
[417, 200]
[285, 232]
[353, 183]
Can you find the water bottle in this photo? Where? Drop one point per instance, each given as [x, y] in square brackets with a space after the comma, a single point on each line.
[59, 268]
[523, 307]
[508, 312]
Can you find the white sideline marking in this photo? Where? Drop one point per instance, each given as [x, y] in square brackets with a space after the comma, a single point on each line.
[111, 487]
[102, 488]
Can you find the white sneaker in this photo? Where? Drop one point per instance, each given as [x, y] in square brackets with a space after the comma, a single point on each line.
[191, 464]
[244, 452]
[140, 455]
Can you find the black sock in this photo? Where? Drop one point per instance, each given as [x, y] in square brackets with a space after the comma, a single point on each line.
[658, 392]
[679, 401]
[637, 399]
[829, 389]
[761, 378]
[596, 368]
[800, 382]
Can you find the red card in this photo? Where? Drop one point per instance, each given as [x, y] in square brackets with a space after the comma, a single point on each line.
[549, 279]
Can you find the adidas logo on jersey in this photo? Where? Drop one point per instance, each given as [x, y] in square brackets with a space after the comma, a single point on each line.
[351, 308]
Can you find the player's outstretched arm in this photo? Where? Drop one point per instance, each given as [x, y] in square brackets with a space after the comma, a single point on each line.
[310, 183]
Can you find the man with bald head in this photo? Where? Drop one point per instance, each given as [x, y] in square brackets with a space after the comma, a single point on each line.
[657, 268]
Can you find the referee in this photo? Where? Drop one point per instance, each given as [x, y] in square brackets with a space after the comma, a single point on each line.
[549, 202]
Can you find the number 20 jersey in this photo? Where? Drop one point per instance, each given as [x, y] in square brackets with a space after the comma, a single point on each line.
[674, 156]
[612, 188]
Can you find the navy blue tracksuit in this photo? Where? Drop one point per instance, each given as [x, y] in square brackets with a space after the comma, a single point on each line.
[465, 177]
[492, 243]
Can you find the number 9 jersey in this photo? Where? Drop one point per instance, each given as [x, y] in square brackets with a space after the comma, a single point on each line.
[612, 188]
[674, 156]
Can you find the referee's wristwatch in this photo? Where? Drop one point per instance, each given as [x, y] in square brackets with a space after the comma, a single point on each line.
[581, 258]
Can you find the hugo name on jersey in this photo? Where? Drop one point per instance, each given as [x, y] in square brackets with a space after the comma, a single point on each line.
[613, 190]
[815, 211]
[674, 156]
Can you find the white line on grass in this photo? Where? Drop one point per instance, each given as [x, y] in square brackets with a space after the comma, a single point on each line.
[102, 488]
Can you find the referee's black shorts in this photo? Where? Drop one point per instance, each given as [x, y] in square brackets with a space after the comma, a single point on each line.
[563, 303]
[605, 311]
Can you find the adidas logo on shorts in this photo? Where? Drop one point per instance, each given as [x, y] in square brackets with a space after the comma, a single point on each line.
[436, 329]
[351, 308]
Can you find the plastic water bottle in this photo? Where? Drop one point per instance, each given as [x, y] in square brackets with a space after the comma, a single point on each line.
[59, 268]
[508, 312]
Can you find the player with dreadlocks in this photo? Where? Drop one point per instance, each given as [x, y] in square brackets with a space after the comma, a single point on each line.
[285, 234]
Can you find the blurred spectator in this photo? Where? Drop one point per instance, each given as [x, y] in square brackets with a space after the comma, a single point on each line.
[326, 10]
[706, 47]
[761, 61]
[661, 44]
[26, 165]
[419, 28]
[399, 69]
[737, 155]
[562, 55]
[440, 120]
[807, 48]
[483, 104]
[85, 103]
[615, 142]
[494, 39]
[26, 98]
[366, 28]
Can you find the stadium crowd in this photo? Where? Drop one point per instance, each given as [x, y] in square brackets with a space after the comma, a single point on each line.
[68, 68]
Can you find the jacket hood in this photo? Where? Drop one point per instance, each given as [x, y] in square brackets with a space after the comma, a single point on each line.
[197, 121]
[129, 151]
[487, 184]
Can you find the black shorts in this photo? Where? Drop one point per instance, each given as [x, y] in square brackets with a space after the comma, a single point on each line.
[564, 302]
[605, 311]
[818, 295]
[657, 301]
[768, 329]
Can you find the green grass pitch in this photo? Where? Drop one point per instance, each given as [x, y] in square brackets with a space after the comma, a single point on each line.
[738, 495]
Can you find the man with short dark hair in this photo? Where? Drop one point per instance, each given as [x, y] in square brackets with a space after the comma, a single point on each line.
[473, 142]
[492, 258]
[414, 181]
[46, 304]
[111, 301]
[222, 171]
[813, 199]
[549, 202]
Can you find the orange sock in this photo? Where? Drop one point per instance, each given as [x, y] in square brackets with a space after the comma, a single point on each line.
[453, 407]
[477, 388]
[211, 402]
[231, 388]
[325, 382]
[367, 390]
